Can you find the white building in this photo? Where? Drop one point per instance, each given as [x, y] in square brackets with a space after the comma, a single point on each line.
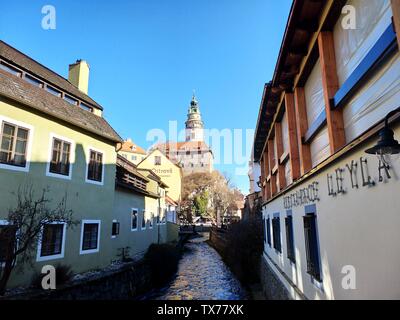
[331, 210]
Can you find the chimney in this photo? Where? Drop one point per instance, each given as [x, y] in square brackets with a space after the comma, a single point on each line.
[79, 75]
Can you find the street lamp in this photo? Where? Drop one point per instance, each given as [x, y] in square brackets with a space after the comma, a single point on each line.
[387, 146]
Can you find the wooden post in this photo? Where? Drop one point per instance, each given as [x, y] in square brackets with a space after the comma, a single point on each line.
[271, 164]
[396, 17]
[279, 151]
[267, 172]
[293, 143]
[262, 180]
[302, 127]
[330, 83]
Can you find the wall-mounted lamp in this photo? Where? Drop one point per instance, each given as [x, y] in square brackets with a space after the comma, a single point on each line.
[387, 146]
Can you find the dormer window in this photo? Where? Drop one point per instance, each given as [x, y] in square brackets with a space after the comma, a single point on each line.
[34, 81]
[85, 107]
[70, 100]
[10, 69]
[53, 91]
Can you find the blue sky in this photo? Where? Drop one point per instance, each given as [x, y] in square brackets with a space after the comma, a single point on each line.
[147, 56]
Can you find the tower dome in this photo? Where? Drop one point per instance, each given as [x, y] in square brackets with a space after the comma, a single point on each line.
[194, 123]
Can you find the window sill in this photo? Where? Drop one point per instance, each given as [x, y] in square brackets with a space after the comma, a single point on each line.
[48, 258]
[14, 168]
[95, 182]
[82, 252]
[59, 175]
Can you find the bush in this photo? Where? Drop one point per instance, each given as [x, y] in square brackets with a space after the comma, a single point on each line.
[244, 248]
[63, 275]
[162, 260]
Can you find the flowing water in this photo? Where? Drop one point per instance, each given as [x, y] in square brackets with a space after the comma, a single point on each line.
[202, 275]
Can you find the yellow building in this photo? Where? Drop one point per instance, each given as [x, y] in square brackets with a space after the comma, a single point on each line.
[170, 173]
[132, 152]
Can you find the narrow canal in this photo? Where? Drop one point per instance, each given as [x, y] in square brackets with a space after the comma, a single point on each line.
[202, 275]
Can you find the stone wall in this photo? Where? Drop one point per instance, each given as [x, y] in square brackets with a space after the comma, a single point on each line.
[218, 240]
[273, 288]
[129, 281]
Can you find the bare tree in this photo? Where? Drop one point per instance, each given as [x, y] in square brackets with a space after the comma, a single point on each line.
[213, 188]
[25, 224]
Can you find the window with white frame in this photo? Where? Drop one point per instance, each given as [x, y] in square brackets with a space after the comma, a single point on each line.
[134, 219]
[115, 229]
[90, 236]
[52, 241]
[95, 169]
[13, 144]
[60, 157]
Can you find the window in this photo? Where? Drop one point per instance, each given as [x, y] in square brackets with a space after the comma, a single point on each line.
[144, 220]
[13, 148]
[133, 158]
[264, 233]
[276, 233]
[312, 251]
[51, 242]
[134, 220]
[33, 81]
[268, 232]
[10, 69]
[157, 160]
[60, 157]
[53, 91]
[115, 229]
[151, 220]
[95, 166]
[90, 236]
[290, 238]
[7, 240]
[70, 100]
[85, 107]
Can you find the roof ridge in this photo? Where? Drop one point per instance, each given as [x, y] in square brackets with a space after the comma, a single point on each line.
[88, 98]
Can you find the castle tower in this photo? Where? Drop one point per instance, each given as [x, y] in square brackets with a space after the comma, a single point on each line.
[194, 124]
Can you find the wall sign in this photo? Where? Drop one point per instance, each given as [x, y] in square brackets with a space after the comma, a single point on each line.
[301, 197]
[358, 173]
[164, 173]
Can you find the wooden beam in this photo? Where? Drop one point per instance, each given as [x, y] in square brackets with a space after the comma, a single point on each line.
[314, 39]
[330, 84]
[263, 177]
[271, 164]
[279, 151]
[267, 173]
[302, 127]
[396, 18]
[293, 141]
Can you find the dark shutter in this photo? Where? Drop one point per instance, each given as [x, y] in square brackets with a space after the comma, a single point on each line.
[290, 238]
[312, 251]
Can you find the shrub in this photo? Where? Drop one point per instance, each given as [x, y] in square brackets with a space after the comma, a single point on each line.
[244, 248]
[63, 275]
[162, 260]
